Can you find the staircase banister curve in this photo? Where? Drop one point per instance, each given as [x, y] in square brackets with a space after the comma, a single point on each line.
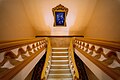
[72, 60]
[105, 55]
[47, 63]
[113, 45]
[15, 55]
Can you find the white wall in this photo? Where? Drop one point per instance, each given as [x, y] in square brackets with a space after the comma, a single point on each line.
[14, 23]
[105, 22]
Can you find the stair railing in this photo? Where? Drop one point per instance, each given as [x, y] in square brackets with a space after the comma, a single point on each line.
[102, 57]
[72, 63]
[16, 55]
[47, 64]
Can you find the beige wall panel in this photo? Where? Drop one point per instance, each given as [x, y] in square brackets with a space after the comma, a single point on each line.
[60, 41]
[41, 16]
[105, 22]
[14, 23]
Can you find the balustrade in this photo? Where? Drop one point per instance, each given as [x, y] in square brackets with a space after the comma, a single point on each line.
[104, 54]
[16, 55]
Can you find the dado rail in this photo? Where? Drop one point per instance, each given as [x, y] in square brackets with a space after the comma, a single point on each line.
[101, 57]
[18, 58]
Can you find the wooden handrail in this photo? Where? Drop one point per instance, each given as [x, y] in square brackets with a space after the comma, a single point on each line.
[14, 44]
[14, 56]
[71, 54]
[104, 54]
[47, 61]
[15, 40]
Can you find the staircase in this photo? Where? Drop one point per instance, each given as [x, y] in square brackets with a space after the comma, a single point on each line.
[59, 69]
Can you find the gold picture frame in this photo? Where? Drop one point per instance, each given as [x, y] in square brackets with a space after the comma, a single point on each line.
[59, 12]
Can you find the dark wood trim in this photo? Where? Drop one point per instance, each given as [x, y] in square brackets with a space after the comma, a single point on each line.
[59, 36]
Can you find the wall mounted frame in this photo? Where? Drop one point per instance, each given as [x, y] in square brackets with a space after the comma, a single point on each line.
[59, 12]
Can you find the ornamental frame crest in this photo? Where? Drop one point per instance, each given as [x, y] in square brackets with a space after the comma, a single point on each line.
[60, 10]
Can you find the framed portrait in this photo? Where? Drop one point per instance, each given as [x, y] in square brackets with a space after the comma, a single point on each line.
[59, 13]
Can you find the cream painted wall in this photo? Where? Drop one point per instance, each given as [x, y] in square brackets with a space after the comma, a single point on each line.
[41, 16]
[14, 23]
[84, 12]
[105, 22]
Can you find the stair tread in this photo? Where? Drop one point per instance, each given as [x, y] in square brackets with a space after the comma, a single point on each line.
[59, 56]
[60, 69]
[60, 76]
[60, 48]
[60, 63]
[64, 58]
[60, 72]
[59, 79]
[59, 60]
[60, 52]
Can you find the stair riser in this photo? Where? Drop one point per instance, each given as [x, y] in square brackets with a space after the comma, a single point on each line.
[60, 76]
[59, 58]
[62, 54]
[62, 63]
[60, 50]
[60, 72]
[59, 67]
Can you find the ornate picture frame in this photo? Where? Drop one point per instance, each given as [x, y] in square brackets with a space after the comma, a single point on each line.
[59, 12]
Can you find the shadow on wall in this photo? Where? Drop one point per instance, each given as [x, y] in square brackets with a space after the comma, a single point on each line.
[81, 69]
[38, 69]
